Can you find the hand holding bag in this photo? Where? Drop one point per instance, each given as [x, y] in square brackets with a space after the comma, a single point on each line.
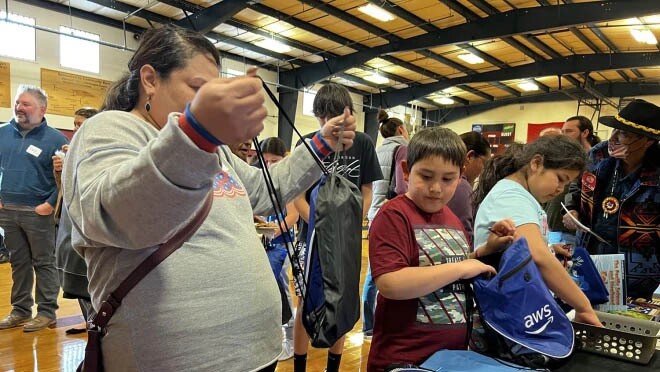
[93, 361]
[583, 271]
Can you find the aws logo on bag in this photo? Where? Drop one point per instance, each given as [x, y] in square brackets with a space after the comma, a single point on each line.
[538, 321]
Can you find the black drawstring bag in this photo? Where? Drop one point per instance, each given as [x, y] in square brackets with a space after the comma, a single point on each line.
[330, 288]
[331, 304]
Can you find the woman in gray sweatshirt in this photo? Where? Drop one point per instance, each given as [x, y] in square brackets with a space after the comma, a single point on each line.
[139, 171]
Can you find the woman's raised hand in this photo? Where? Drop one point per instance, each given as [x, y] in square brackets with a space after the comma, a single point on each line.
[232, 110]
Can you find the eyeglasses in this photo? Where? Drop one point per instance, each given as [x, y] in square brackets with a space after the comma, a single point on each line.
[620, 137]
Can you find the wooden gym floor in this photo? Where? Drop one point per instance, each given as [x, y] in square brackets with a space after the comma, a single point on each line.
[53, 350]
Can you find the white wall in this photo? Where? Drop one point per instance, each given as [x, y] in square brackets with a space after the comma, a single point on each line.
[112, 61]
[523, 114]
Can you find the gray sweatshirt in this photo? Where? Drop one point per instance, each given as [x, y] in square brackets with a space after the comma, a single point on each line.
[213, 305]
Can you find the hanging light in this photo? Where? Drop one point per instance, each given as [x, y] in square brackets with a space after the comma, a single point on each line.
[444, 100]
[528, 86]
[376, 78]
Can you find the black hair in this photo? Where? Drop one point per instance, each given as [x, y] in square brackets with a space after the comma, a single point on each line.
[556, 151]
[496, 168]
[476, 142]
[387, 125]
[585, 124]
[166, 49]
[436, 141]
[331, 100]
[86, 112]
[273, 145]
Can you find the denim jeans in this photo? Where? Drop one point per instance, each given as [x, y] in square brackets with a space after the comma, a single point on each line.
[369, 292]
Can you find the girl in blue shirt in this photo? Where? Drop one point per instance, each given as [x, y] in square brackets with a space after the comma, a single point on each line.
[522, 183]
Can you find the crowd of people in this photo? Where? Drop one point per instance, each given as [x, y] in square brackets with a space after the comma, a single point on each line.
[82, 216]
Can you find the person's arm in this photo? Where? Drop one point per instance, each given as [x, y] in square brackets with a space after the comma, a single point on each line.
[555, 276]
[367, 195]
[48, 206]
[298, 171]
[391, 248]
[290, 219]
[302, 207]
[414, 282]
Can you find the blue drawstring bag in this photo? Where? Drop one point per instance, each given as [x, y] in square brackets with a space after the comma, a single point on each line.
[520, 314]
[459, 361]
[583, 271]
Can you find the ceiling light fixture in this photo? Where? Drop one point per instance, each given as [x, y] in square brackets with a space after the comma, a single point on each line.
[643, 35]
[528, 86]
[444, 100]
[376, 12]
[274, 45]
[376, 78]
[471, 58]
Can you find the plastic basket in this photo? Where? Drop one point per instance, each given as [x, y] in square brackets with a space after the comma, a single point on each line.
[624, 338]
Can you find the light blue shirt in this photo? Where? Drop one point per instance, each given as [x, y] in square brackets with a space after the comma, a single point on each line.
[508, 199]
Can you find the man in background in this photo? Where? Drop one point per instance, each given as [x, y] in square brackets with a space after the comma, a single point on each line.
[28, 194]
[580, 129]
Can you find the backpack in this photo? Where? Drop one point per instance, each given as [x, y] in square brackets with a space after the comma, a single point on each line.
[523, 322]
[584, 273]
[331, 302]
[330, 287]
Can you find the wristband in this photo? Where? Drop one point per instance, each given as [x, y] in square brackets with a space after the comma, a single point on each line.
[199, 128]
[320, 146]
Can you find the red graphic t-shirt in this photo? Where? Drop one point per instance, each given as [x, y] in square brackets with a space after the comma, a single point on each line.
[410, 331]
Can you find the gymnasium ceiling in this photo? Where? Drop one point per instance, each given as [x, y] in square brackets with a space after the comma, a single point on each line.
[579, 49]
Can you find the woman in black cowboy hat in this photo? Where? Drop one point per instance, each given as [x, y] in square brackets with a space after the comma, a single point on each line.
[620, 196]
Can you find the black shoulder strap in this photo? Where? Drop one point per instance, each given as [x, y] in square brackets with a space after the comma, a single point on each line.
[393, 165]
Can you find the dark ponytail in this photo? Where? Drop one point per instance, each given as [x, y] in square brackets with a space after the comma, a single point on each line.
[387, 125]
[496, 168]
[166, 49]
[123, 94]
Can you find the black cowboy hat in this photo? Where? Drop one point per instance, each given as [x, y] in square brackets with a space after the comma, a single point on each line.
[639, 117]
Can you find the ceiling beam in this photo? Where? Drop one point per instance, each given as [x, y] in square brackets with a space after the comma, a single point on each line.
[63, 9]
[134, 11]
[612, 90]
[155, 17]
[337, 38]
[476, 92]
[484, 6]
[75, 12]
[561, 66]
[506, 88]
[390, 37]
[513, 22]
[209, 18]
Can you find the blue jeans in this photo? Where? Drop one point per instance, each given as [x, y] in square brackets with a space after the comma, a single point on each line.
[279, 263]
[368, 302]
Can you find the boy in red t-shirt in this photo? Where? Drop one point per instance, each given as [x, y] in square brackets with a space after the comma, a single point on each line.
[417, 249]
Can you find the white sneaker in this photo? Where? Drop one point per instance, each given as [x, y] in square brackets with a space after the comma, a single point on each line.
[287, 350]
